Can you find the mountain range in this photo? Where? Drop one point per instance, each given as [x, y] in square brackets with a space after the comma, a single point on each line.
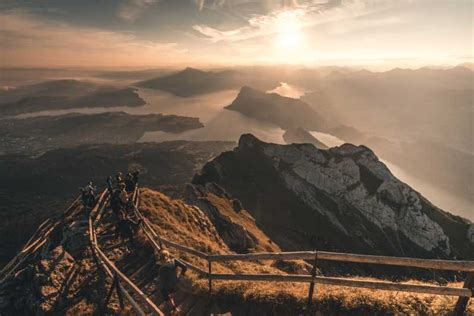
[65, 94]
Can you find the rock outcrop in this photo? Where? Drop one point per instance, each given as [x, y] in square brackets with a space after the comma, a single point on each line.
[235, 225]
[343, 198]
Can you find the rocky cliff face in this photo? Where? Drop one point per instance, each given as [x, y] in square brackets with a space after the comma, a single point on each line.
[234, 224]
[343, 199]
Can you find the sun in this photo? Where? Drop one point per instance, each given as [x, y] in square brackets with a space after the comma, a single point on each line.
[289, 30]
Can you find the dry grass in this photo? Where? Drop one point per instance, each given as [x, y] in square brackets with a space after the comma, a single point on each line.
[177, 221]
[244, 219]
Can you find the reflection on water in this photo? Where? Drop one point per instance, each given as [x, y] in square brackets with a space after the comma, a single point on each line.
[227, 126]
[288, 90]
[205, 107]
[327, 139]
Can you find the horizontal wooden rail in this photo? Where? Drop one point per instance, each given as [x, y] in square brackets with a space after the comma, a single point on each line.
[192, 251]
[455, 265]
[167, 242]
[262, 277]
[196, 269]
[303, 255]
[375, 285]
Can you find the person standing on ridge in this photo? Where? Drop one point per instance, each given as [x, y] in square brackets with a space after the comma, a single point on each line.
[135, 175]
[168, 277]
[119, 178]
[110, 185]
[129, 183]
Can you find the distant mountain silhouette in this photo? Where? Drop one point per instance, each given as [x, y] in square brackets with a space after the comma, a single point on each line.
[65, 94]
[191, 81]
[301, 136]
[285, 112]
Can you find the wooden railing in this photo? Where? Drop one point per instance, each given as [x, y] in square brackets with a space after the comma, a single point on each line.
[125, 287]
[119, 279]
[463, 293]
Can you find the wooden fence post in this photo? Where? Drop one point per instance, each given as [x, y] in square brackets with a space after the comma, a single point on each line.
[461, 304]
[111, 291]
[311, 285]
[119, 294]
[115, 286]
[209, 262]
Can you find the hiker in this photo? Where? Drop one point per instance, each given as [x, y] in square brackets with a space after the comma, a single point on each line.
[91, 193]
[126, 228]
[110, 185]
[119, 178]
[84, 198]
[119, 200]
[135, 175]
[168, 276]
[88, 194]
[129, 183]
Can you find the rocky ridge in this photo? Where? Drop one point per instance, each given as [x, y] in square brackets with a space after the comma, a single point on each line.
[343, 198]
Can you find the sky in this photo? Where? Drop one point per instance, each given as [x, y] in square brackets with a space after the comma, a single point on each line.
[160, 33]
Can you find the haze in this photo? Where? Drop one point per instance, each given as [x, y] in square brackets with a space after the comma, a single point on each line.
[395, 76]
[379, 34]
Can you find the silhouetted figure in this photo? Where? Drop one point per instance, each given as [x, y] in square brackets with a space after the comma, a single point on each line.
[135, 175]
[110, 185]
[168, 277]
[119, 178]
[84, 197]
[119, 199]
[126, 229]
[88, 194]
[129, 183]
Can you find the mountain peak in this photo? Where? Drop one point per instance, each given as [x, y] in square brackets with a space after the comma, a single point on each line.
[192, 70]
[276, 109]
[248, 140]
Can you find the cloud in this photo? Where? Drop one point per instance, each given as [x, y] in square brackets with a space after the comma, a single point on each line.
[213, 4]
[28, 40]
[130, 10]
[309, 14]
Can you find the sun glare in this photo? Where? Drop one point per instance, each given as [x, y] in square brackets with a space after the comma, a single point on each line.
[289, 30]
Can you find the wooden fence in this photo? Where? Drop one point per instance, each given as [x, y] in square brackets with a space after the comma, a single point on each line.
[125, 287]
[463, 293]
[119, 279]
